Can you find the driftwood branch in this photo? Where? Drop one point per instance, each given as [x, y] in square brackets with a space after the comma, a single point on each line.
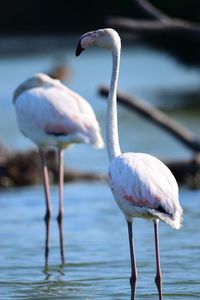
[151, 11]
[186, 171]
[16, 169]
[179, 38]
[147, 27]
[160, 22]
[181, 133]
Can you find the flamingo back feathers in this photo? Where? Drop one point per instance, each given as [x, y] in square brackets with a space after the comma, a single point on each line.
[50, 113]
[144, 187]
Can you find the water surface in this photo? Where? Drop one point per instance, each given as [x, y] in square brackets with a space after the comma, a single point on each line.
[96, 245]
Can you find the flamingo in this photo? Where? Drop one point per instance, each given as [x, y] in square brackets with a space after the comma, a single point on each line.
[141, 184]
[52, 115]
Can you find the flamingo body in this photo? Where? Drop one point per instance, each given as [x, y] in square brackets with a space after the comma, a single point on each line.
[141, 184]
[144, 187]
[52, 115]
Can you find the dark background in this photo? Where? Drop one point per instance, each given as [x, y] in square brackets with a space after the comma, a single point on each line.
[41, 17]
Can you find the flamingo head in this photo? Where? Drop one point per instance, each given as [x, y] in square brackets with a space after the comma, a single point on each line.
[104, 38]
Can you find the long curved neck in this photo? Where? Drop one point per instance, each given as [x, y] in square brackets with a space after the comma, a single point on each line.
[112, 136]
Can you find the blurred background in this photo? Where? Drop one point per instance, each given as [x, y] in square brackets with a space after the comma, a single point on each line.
[48, 17]
[160, 64]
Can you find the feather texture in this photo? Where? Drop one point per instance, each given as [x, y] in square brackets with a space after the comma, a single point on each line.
[51, 114]
[144, 187]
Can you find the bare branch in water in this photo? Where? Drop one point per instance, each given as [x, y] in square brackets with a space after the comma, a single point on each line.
[153, 114]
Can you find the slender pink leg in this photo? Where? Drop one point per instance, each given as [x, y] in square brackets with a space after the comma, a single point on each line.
[134, 275]
[158, 278]
[61, 205]
[48, 214]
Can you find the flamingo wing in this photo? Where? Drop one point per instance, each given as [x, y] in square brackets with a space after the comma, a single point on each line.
[142, 180]
[52, 110]
[81, 104]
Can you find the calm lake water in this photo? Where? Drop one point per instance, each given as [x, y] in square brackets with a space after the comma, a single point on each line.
[96, 241]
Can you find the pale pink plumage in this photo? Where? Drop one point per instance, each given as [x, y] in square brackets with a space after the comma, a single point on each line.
[141, 184]
[144, 187]
[51, 114]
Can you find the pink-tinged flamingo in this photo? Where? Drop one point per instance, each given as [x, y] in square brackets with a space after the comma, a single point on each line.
[141, 184]
[52, 115]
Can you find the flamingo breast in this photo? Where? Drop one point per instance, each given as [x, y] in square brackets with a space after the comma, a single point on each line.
[143, 186]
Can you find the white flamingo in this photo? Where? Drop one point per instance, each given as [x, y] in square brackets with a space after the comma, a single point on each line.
[141, 184]
[52, 115]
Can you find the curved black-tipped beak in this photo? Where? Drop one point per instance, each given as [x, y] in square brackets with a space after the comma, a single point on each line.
[79, 49]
